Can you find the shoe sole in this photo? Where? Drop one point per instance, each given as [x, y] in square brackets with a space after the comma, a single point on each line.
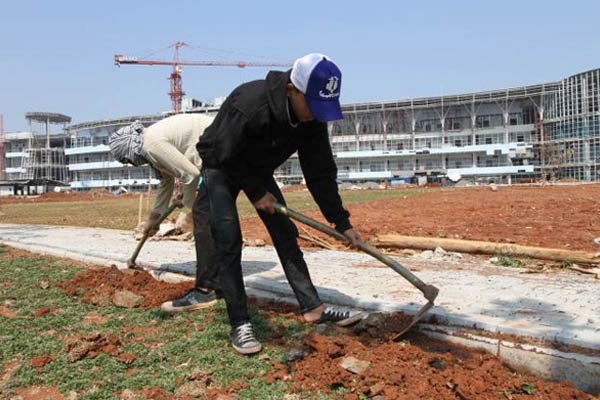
[351, 320]
[168, 306]
[247, 350]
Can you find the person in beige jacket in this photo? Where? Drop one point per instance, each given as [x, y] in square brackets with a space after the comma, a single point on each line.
[169, 146]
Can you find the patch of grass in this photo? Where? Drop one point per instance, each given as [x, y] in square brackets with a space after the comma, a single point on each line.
[123, 213]
[167, 347]
[513, 262]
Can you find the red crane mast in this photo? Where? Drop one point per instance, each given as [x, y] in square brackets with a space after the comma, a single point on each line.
[176, 92]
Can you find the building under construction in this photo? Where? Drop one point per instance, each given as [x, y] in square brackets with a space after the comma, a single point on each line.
[548, 131]
[36, 160]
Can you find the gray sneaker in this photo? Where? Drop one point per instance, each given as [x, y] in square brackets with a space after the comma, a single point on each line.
[195, 299]
[243, 340]
[340, 317]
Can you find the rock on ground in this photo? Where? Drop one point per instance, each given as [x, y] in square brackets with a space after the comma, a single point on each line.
[127, 299]
[354, 365]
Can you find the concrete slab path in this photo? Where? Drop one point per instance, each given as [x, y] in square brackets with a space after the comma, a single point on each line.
[561, 307]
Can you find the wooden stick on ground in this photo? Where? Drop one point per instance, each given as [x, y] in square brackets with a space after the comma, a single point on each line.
[473, 246]
[591, 271]
[312, 240]
[315, 239]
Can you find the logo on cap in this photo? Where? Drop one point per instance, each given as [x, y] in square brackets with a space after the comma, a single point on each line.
[332, 85]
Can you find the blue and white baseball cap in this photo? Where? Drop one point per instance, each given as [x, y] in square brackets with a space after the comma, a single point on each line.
[320, 80]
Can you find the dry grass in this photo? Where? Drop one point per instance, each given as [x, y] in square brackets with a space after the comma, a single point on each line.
[122, 213]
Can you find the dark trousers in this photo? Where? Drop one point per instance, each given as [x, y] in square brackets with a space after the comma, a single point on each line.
[219, 239]
[206, 254]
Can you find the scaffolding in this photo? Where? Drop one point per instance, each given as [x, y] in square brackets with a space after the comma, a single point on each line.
[44, 159]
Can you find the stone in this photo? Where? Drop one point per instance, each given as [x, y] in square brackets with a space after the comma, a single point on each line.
[354, 365]
[127, 299]
[493, 187]
[167, 229]
[493, 260]
[440, 251]
[375, 320]
[291, 397]
[293, 355]
[44, 284]
[192, 389]
[321, 329]
[438, 364]
[264, 357]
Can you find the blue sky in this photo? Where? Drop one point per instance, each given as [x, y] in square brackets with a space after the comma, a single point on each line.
[58, 55]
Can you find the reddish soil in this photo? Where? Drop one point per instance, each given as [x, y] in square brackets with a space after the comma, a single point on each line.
[40, 312]
[40, 362]
[39, 393]
[425, 368]
[551, 216]
[97, 286]
[7, 312]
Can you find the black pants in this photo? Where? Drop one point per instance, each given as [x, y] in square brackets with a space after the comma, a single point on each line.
[217, 227]
[206, 253]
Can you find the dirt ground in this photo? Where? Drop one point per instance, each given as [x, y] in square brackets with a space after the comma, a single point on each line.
[551, 216]
[417, 368]
[564, 216]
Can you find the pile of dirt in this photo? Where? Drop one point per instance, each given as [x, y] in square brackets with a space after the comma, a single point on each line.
[98, 286]
[392, 370]
[552, 216]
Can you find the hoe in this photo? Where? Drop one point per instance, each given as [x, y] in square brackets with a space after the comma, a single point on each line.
[429, 291]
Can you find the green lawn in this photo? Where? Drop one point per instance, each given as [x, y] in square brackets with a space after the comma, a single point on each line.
[188, 341]
[123, 213]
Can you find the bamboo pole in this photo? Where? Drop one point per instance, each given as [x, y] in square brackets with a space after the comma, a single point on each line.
[474, 246]
[140, 209]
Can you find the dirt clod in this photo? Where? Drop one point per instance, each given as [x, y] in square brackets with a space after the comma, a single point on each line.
[40, 362]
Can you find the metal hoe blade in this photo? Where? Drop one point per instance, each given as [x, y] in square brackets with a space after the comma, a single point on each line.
[429, 291]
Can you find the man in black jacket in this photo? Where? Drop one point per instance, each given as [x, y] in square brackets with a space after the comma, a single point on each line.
[259, 126]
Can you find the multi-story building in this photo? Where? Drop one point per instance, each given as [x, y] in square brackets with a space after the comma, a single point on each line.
[547, 130]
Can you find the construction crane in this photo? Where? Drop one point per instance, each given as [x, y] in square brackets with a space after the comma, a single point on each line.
[176, 91]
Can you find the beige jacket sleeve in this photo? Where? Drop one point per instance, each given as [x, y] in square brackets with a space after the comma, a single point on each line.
[170, 146]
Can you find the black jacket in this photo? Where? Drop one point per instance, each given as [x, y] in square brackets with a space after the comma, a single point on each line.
[252, 136]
